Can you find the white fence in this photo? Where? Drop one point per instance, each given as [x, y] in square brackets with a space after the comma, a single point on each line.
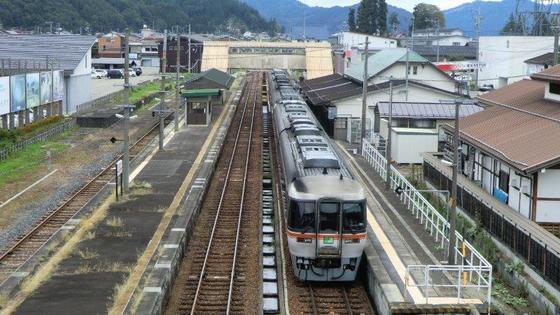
[474, 271]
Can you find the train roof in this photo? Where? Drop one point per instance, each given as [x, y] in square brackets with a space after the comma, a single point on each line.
[310, 146]
[315, 188]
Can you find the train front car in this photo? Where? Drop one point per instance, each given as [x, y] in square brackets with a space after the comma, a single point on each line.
[325, 206]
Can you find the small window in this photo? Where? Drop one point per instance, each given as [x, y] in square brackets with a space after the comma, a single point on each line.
[504, 182]
[555, 88]
[415, 70]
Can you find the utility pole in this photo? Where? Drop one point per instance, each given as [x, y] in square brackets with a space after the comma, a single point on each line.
[406, 74]
[453, 199]
[162, 90]
[556, 35]
[364, 97]
[437, 39]
[176, 114]
[126, 166]
[477, 19]
[388, 156]
[189, 61]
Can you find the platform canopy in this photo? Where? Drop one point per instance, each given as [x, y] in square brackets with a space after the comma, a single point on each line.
[200, 93]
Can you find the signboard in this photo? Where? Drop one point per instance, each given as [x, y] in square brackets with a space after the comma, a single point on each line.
[46, 85]
[460, 65]
[58, 86]
[119, 167]
[32, 90]
[331, 112]
[17, 92]
[4, 95]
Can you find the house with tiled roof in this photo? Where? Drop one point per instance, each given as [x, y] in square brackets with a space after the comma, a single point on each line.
[509, 173]
[511, 150]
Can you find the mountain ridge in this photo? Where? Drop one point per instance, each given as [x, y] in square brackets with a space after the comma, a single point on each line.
[115, 15]
[494, 15]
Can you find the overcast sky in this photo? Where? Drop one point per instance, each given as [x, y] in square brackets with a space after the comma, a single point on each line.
[406, 4]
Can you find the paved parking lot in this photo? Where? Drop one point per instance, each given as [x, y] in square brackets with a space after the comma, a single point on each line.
[104, 86]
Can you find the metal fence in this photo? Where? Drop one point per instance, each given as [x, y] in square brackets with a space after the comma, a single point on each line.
[478, 269]
[536, 251]
[53, 131]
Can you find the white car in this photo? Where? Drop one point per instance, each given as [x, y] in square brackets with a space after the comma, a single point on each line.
[95, 75]
[102, 72]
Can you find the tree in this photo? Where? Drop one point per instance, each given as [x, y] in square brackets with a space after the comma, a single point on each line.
[364, 17]
[352, 20]
[394, 22]
[427, 15]
[372, 17]
[381, 17]
[514, 26]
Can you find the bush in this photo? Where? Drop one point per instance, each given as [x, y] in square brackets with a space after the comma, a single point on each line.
[10, 137]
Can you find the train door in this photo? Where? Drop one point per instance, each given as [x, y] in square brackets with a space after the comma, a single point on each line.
[329, 243]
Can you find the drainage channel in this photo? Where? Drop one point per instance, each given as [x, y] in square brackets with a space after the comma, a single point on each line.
[270, 300]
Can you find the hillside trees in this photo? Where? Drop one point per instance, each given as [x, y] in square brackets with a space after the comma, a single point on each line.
[372, 17]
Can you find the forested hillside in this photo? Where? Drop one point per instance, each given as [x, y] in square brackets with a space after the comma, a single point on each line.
[106, 15]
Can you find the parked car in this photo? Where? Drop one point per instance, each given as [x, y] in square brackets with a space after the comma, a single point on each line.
[95, 75]
[138, 70]
[102, 72]
[115, 74]
[486, 87]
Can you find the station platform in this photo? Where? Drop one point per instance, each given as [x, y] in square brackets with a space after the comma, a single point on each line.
[93, 273]
[398, 239]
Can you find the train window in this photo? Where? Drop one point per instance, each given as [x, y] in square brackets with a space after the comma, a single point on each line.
[302, 216]
[329, 217]
[353, 217]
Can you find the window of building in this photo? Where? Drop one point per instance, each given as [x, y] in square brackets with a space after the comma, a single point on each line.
[415, 70]
[456, 44]
[504, 181]
[555, 88]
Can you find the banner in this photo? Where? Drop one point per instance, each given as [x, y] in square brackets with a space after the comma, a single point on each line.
[32, 90]
[17, 91]
[45, 83]
[58, 85]
[4, 95]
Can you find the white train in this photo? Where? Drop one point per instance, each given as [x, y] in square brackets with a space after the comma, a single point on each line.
[325, 205]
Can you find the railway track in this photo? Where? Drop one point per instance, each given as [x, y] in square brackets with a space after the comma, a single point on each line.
[24, 247]
[218, 273]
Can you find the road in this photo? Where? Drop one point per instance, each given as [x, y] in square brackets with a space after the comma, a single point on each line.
[104, 86]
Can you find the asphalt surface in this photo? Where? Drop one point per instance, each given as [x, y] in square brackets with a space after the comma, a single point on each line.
[105, 86]
[86, 280]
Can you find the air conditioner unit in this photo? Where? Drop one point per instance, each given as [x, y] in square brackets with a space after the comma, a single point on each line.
[525, 189]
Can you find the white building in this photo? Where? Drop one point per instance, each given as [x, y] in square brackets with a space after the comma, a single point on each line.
[431, 37]
[71, 53]
[504, 57]
[351, 39]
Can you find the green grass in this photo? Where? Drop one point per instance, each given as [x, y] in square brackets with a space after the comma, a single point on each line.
[27, 160]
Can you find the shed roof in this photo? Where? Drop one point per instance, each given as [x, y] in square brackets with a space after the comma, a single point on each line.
[520, 127]
[201, 92]
[544, 59]
[383, 60]
[215, 75]
[418, 110]
[67, 50]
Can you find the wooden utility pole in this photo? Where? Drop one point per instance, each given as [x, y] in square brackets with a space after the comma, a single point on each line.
[364, 97]
[388, 156]
[126, 139]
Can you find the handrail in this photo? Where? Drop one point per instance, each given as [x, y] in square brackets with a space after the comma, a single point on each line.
[433, 221]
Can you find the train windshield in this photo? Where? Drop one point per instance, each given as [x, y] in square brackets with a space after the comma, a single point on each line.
[353, 217]
[302, 216]
[329, 217]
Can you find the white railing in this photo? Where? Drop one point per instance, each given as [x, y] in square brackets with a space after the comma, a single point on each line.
[478, 269]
